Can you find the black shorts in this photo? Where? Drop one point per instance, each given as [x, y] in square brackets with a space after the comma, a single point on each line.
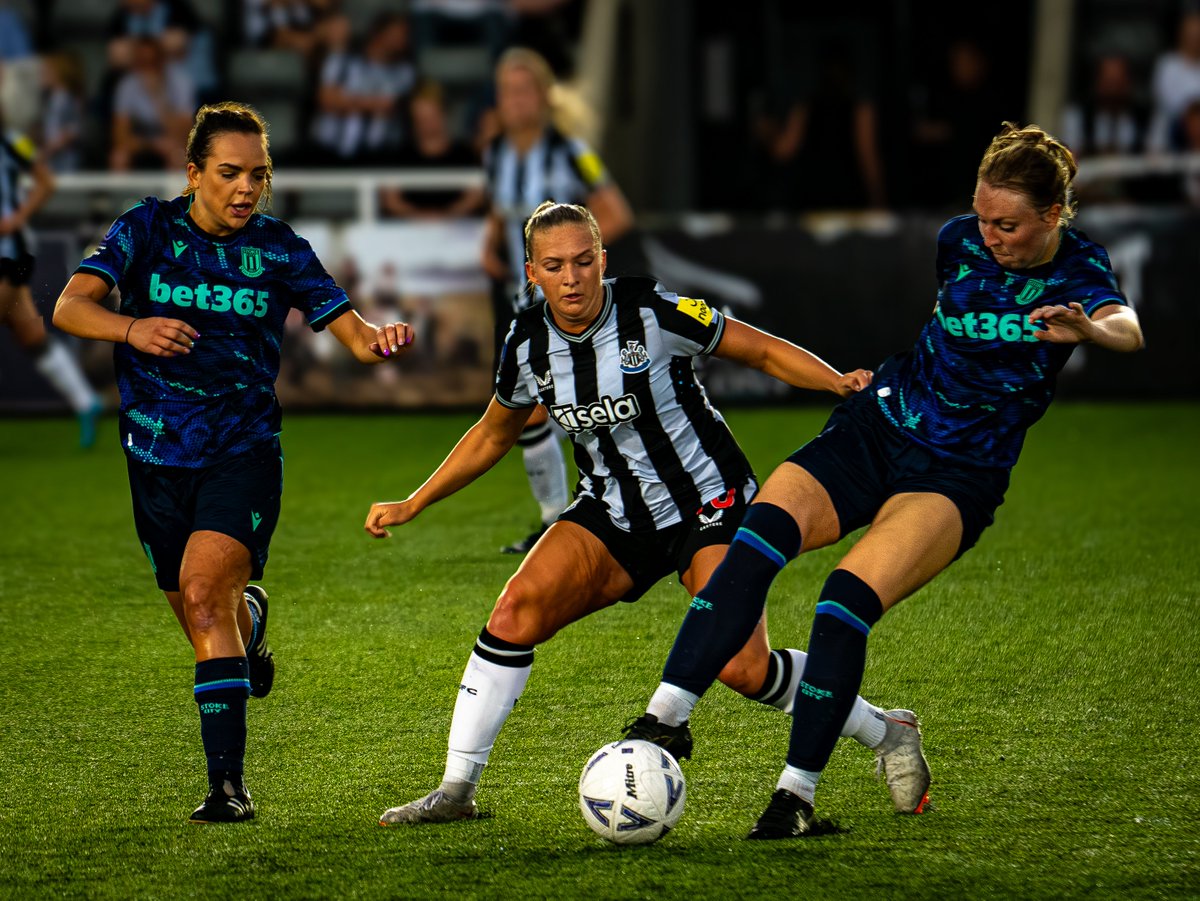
[862, 460]
[239, 498]
[650, 556]
[16, 272]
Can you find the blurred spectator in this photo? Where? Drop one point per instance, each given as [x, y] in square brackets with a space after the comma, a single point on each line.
[1109, 121]
[432, 146]
[172, 22]
[152, 111]
[309, 27]
[62, 112]
[961, 111]
[361, 96]
[441, 22]
[15, 42]
[1176, 84]
[819, 132]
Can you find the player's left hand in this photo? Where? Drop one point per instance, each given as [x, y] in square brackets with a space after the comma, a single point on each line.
[391, 339]
[1063, 325]
[853, 382]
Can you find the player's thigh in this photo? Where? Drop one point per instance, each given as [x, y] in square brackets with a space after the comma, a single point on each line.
[21, 314]
[912, 538]
[798, 491]
[568, 574]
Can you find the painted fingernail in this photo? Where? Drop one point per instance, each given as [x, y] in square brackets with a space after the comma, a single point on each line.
[386, 352]
[395, 347]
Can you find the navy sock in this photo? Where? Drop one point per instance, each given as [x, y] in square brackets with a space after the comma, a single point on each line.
[222, 687]
[837, 655]
[723, 615]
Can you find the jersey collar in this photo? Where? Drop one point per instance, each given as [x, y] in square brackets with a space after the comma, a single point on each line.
[587, 333]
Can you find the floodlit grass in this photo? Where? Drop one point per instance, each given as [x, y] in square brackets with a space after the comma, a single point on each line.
[1054, 668]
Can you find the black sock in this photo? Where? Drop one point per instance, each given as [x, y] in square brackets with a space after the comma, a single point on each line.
[723, 615]
[222, 687]
[837, 655]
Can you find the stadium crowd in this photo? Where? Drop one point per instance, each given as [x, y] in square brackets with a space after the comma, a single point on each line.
[365, 82]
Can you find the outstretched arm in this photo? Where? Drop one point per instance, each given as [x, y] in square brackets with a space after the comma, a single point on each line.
[370, 343]
[1113, 327]
[785, 361]
[476, 452]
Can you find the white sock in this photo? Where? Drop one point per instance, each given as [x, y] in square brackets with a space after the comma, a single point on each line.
[485, 699]
[671, 705]
[864, 724]
[799, 782]
[547, 470]
[60, 368]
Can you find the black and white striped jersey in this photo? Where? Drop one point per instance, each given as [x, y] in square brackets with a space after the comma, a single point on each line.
[17, 156]
[556, 168]
[648, 443]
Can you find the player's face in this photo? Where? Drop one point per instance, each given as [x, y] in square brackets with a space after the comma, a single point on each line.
[1017, 234]
[229, 186]
[568, 265]
[520, 101]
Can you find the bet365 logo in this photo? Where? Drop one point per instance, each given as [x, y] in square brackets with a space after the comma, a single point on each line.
[988, 326]
[217, 298]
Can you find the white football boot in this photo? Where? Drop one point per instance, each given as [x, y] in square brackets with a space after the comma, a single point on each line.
[435, 807]
[901, 762]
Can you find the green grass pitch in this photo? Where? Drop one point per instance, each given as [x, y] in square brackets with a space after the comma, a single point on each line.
[1054, 668]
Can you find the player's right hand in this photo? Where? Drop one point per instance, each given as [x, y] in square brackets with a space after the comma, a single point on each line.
[162, 337]
[388, 513]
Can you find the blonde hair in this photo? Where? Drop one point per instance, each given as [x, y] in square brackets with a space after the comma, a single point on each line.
[567, 110]
[550, 215]
[1032, 162]
[228, 117]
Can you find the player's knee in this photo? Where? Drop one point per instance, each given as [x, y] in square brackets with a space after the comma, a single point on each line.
[520, 615]
[205, 603]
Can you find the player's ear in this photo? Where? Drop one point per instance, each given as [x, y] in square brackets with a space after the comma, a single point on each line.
[1052, 214]
[529, 272]
[603, 260]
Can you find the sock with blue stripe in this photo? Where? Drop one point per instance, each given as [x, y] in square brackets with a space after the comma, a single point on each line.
[222, 688]
[837, 656]
[723, 615]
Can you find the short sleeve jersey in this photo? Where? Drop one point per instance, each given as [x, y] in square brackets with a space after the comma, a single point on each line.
[649, 445]
[17, 157]
[204, 407]
[556, 168]
[978, 377]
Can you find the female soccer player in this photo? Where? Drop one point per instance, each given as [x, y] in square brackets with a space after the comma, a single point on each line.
[663, 483]
[923, 457]
[206, 282]
[533, 159]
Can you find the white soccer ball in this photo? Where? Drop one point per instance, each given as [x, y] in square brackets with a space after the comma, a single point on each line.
[631, 792]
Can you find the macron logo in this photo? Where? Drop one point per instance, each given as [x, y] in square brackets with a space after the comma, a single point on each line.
[180, 247]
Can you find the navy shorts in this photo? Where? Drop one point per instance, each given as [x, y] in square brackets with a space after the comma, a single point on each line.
[862, 460]
[650, 556]
[238, 497]
[16, 272]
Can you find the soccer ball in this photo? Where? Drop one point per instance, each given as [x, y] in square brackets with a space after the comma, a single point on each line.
[631, 792]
